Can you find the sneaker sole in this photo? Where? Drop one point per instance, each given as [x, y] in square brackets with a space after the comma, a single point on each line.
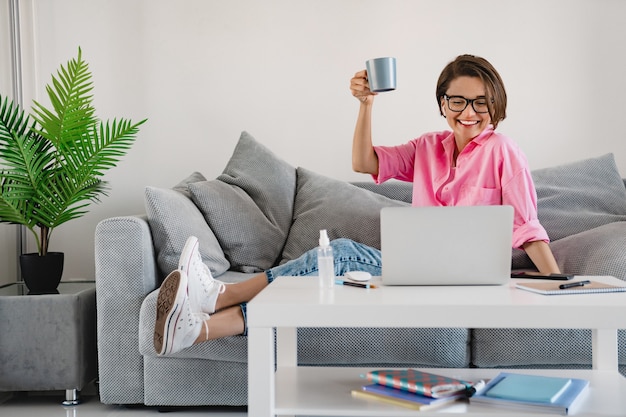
[169, 307]
[188, 250]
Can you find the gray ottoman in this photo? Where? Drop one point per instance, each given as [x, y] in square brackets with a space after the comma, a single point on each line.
[48, 342]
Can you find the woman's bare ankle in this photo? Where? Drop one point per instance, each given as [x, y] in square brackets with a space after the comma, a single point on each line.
[241, 292]
[224, 323]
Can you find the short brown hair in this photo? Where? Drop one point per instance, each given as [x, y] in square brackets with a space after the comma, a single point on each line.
[473, 66]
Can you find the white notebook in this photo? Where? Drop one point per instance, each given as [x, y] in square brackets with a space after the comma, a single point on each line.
[552, 287]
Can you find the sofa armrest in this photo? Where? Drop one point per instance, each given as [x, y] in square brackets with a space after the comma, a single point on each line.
[126, 272]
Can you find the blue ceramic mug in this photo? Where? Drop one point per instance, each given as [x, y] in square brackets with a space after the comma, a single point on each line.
[381, 74]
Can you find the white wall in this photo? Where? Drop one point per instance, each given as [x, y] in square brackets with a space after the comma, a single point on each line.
[203, 70]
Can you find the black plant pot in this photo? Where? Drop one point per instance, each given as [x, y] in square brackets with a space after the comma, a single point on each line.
[42, 274]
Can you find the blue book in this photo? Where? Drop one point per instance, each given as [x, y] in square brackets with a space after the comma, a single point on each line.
[529, 388]
[532, 392]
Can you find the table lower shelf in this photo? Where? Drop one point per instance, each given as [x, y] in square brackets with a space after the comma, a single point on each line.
[325, 391]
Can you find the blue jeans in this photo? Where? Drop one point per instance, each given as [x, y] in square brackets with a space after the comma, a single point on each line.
[349, 256]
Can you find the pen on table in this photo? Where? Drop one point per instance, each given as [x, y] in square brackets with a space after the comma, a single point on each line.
[475, 388]
[354, 284]
[574, 284]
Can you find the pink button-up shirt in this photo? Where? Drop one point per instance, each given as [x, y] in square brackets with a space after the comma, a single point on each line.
[491, 170]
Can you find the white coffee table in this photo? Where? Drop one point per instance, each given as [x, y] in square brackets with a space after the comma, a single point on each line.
[292, 302]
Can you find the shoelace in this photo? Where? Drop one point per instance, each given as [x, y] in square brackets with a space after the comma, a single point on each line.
[193, 318]
[206, 327]
[203, 317]
[208, 283]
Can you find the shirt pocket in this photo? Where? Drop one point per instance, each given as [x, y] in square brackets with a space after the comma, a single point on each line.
[479, 196]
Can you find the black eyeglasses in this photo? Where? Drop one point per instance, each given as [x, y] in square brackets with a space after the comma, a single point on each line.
[460, 103]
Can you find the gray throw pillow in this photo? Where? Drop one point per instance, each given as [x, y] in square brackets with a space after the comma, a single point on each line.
[579, 196]
[598, 251]
[183, 186]
[173, 217]
[249, 207]
[344, 210]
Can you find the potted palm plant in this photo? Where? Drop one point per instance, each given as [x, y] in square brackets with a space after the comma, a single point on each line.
[52, 162]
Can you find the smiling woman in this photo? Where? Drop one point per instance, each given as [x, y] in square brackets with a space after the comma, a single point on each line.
[464, 120]
[470, 76]
[461, 166]
[487, 84]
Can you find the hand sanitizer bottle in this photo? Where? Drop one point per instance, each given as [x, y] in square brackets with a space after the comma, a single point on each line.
[325, 262]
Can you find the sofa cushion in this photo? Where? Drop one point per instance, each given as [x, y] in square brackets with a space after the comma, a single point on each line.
[598, 251]
[173, 217]
[372, 346]
[579, 196]
[183, 186]
[531, 347]
[343, 209]
[396, 190]
[250, 239]
[249, 206]
[331, 346]
[541, 348]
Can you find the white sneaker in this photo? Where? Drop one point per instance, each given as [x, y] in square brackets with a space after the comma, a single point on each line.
[176, 326]
[202, 289]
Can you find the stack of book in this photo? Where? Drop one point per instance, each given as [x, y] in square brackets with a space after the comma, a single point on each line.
[532, 392]
[412, 388]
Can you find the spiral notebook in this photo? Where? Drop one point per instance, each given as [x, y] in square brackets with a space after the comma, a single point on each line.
[552, 288]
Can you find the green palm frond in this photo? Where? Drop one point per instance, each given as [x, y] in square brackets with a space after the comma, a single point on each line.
[71, 99]
[63, 200]
[13, 120]
[25, 158]
[51, 168]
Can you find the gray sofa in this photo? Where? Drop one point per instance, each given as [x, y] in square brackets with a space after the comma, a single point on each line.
[260, 212]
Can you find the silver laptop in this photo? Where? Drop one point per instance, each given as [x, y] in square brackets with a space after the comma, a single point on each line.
[446, 245]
